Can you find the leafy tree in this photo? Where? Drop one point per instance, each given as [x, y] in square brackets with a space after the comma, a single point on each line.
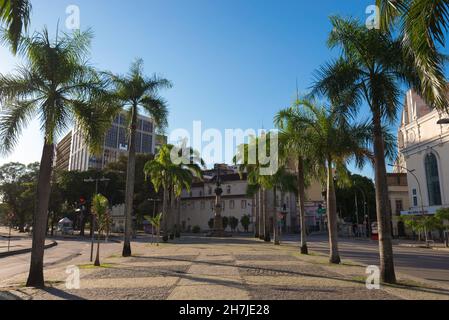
[363, 188]
[55, 85]
[210, 223]
[135, 92]
[225, 222]
[18, 190]
[245, 222]
[15, 16]
[233, 223]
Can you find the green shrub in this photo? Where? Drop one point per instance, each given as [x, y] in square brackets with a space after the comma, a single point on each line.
[196, 229]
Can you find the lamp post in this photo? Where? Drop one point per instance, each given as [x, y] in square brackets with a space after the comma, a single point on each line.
[91, 180]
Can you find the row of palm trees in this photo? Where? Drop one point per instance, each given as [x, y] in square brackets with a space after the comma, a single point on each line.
[372, 68]
[56, 86]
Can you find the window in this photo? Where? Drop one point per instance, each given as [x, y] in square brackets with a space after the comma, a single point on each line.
[209, 191]
[244, 204]
[228, 189]
[433, 180]
[415, 198]
[231, 204]
[122, 139]
[399, 207]
[111, 137]
[147, 126]
[147, 143]
[201, 193]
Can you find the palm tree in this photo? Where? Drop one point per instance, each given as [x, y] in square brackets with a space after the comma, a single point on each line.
[15, 15]
[423, 25]
[292, 146]
[371, 69]
[173, 169]
[284, 181]
[333, 142]
[247, 159]
[100, 209]
[55, 86]
[156, 223]
[134, 92]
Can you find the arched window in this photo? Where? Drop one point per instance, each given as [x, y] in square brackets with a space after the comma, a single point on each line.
[433, 180]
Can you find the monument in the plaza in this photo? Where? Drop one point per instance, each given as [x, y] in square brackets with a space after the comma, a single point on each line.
[218, 230]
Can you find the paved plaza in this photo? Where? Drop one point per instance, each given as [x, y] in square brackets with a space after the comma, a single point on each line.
[200, 268]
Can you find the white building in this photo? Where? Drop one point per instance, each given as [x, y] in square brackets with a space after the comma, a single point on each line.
[197, 206]
[424, 148]
[115, 144]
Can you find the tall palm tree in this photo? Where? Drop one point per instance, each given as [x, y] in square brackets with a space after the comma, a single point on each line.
[423, 25]
[136, 92]
[55, 86]
[371, 69]
[15, 16]
[293, 147]
[333, 141]
[173, 169]
[284, 181]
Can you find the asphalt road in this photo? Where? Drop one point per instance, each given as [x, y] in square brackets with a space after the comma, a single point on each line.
[67, 251]
[418, 262]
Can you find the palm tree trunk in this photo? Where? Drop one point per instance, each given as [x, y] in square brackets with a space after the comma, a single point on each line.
[130, 178]
[97, 259]
[256, 216]
[383, 214]
[164, 213]
[275, 219]
[334, 256]
[36, 274]
[267, 236]
[261, 217]
[301, 205]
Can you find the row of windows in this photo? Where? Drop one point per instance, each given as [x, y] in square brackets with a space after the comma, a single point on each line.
[116, 138]
[231, 203]
[142, 125]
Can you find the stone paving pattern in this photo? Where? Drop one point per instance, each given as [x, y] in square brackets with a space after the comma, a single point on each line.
[229, 269]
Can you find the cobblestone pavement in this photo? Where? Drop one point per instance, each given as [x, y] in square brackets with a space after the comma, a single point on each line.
[231, 269]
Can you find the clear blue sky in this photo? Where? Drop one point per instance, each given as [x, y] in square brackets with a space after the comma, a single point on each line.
[234, 63]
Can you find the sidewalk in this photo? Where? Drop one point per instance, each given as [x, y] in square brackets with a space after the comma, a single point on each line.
[238, 268]
[18, 241]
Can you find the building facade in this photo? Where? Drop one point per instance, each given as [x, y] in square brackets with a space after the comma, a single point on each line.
[399, 200]
[115, 144]
[424, 152]
[197, 206]
[62, 153]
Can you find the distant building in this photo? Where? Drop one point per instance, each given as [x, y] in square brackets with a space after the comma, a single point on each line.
[399, 200]
[424, 146]
[115, 144]
[197, 206]
[62, 153]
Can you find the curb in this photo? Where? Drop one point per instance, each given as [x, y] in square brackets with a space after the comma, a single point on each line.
[23, 251]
